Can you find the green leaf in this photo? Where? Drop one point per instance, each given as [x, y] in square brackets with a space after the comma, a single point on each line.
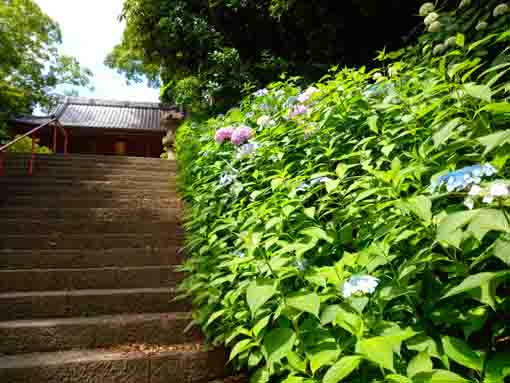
[332, 185]
[420, 363]
[487, 220]
[502, 249]
[372, 123]
[450, 226]
[341, 170]
[296, 361]
[329, 314]
[261, 325]
[378, 350]
[278, 343]
[460, 39]
[460, 352]
[395, 378]
[497, 368]
[317, 233]
[482, 92]
[497, 107]
[241, 346]
[214, 316]
[439, 376]
[421, 206]
[386, 150]
[310, 212]
[342, 369]
[262, 375]
[349, 320]
[323, 354]
[258, 293]
[494, 140]
[307, 302]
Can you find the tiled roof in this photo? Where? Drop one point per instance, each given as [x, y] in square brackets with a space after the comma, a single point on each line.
[93, 113]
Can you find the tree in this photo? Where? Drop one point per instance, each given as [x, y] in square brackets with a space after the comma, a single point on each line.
[32, 68]
[232, 46]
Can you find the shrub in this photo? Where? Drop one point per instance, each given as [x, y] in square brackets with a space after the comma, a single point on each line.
[25, 146]
[365, 230]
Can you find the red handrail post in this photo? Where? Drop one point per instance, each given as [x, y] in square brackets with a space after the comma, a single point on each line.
[54, 138]
[32, 159]
[66, 140]
[2, 157]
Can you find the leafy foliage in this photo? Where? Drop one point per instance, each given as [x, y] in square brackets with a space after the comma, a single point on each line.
[232, 47]
[31, 67]
[25, 146]
[341, 187]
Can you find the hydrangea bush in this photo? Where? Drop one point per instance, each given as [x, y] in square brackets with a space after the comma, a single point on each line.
[359, 230]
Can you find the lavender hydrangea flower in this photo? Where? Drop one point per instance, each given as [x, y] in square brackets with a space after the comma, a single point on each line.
[241, 135]
[298, 110]
[359, 285]
[305, 96]
[223, 134]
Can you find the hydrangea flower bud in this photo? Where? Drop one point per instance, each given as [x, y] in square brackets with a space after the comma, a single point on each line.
[500, 10]
[450, 42]
[464, 4]
[435, 27]
[481, 26]
[431, 18]
[426, 8]
[438, 49]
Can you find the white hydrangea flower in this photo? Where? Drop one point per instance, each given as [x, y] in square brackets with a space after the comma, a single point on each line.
[435, 27]
[431, 18]
[426, 8]
[481, 25]
[500, 10]
[469, 203]
[264, 121]
[359, 285]
[438, 49]
[226, 179]
[450, 42]
[377, 76]
[464, 4]
[475, 190]
[499, 190]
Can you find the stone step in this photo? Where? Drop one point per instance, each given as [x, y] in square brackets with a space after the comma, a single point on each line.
[87, 158]
[92, 278]
[104, 366]
[84, 191]
[120, 215]
[88, 201]
[87, 241]
[86, 303]
[60, 334]
[108, 167]
[76, 259]
[120, 181]
[23, 225]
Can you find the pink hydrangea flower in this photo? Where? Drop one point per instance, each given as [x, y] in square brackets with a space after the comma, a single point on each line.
[223, 134]
[241, 135]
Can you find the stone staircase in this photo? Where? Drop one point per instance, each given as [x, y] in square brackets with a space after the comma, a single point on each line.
[88, 246]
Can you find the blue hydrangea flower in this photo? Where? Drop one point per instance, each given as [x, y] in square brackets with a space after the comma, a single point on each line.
[359, 285]
[261, 92]
[462, 178]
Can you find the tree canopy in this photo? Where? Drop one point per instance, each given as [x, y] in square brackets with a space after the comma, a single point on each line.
[217, 49]
[32, 68]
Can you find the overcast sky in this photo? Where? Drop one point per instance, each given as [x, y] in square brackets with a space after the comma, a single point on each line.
[90, 29]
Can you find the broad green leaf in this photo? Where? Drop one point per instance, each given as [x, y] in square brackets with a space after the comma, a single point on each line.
[240, 347]
[497, 107]
[342, 369]
[421, 206]
[341, 169]
[439, 376]
[349, 320]
[323, 354]
[420, 363]
[310, 212]
[378, 350]
[372, 123]
[460, 39]
[487, 220]
[494, 140]
[502, 249]
[254, 358]
[386, 150]
[278, 343]
[329, 314]
[294, 379]
[332, 185]
[262, 375]
[214, 316]
[260, 325]
[258, 293]
[307, 302]
[497, 368]
[449, 227]
[460, 352]
[395, 378]
[296, 361]
[482, 92]
[317, 233]
[446, 131]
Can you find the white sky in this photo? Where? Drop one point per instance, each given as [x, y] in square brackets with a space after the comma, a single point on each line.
[90, 29]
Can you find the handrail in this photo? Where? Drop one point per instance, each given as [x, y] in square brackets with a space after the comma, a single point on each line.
[32, 134]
